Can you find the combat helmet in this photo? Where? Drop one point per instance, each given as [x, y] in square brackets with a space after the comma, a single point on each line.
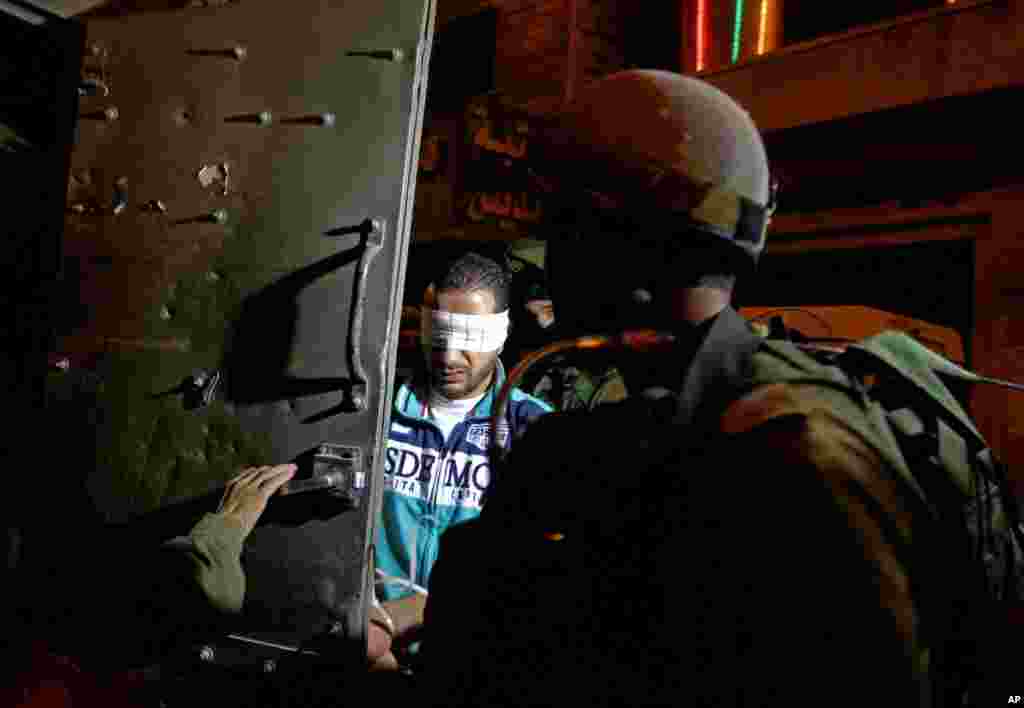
[646, 160]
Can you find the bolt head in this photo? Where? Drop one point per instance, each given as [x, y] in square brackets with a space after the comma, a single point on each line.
[206, 654]
[265, 118]
[239, 52]
[269, 666]
[642, 296]
[219, 216]
[111, 113]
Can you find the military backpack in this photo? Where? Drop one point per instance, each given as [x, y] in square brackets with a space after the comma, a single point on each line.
[899, 395]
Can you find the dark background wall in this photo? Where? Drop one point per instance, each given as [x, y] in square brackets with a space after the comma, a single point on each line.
[808, 19]
[927, 281]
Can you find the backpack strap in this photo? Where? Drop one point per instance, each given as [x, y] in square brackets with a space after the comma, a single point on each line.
[993, 517]
[779, 361]
[955, 457]
[937, 441]
[608, 388]
[902, 356]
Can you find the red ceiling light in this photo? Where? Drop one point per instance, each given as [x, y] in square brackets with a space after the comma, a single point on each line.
[762, 34]
[702, 15]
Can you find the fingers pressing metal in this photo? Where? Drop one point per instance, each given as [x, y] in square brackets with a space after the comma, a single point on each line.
[273, 477]
[262, 476]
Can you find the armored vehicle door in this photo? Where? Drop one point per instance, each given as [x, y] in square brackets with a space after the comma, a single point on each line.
[239, 210]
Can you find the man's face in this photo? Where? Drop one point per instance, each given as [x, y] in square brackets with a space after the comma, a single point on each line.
[456, 373]
[543, 312]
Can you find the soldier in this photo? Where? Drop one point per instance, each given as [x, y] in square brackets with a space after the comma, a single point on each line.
[565, 382]
[710, 540]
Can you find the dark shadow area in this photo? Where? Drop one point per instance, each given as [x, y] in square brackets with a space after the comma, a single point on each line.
[805, 20]
[68, 311]
[931, 281]
[835, 163]
[452, 79]
[174, 519]
[106, 592]
[120, 8]
[651, 36]
[256, 363]
[347, 404]
[212, 218]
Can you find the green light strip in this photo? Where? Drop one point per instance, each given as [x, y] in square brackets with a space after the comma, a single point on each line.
[737, 31]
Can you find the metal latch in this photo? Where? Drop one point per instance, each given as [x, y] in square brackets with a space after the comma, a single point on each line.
[200, 388]
[337, 469]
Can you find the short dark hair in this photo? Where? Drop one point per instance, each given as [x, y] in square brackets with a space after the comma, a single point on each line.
[472, 271]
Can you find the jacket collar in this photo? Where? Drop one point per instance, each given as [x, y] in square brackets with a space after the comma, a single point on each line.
[719, 367]
[413, 394]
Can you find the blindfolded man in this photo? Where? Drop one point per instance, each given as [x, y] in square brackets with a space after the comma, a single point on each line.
[436, 467]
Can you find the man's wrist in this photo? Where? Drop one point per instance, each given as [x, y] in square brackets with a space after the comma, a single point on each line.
[382, 618]
[407, 613]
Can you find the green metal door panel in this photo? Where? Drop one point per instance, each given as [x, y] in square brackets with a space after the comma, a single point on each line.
[208, 236]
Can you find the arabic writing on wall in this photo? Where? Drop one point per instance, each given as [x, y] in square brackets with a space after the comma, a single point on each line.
[518, 206]
[497, 187]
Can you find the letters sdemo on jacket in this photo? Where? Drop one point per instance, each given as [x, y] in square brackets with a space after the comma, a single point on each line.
[432, 484]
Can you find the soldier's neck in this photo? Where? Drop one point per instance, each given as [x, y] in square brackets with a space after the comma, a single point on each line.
[650, 375]
[696, 305]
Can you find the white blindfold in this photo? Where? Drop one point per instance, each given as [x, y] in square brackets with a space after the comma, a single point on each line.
[471, 333]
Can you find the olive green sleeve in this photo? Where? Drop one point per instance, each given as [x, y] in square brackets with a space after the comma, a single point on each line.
[213, 551]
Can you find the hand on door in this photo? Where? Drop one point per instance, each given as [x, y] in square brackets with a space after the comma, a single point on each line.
[247, 494]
